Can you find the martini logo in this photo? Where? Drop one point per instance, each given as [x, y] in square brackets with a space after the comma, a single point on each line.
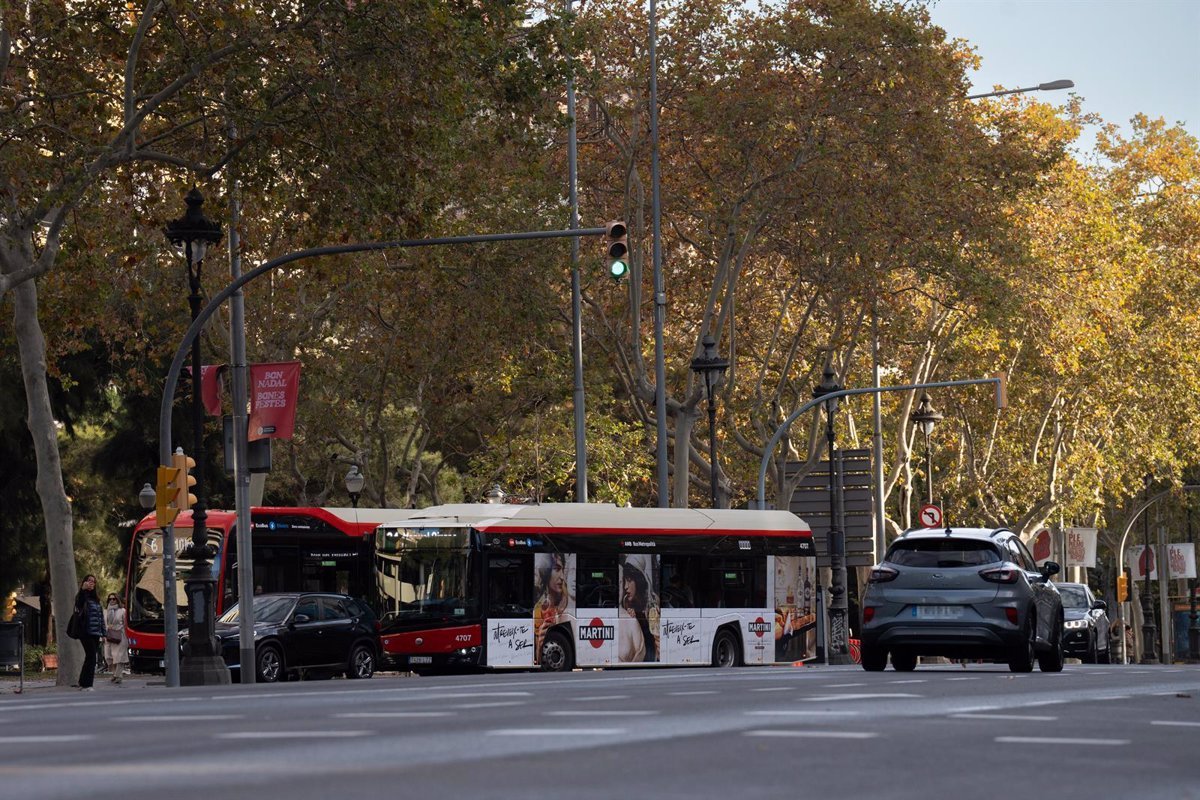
[758, 627]
[596, 633]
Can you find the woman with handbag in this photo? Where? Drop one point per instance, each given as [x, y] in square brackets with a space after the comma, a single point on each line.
[116, 649]
[90, 625]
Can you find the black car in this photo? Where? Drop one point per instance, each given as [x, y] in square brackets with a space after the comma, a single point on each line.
[1085, 624]
[304, 632]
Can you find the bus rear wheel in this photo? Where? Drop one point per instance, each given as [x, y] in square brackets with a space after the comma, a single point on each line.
[555, 655]
[725, 652]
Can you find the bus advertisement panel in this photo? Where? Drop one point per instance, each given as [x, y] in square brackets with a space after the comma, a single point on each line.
[593, 585]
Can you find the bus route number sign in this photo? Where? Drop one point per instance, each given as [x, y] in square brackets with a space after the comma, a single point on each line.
[931, 515]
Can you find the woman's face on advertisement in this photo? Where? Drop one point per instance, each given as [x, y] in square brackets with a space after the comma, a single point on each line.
[558, 578]
[630, 588]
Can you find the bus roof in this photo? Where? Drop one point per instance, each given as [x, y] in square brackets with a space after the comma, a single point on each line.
[223, 518]
[602, 516]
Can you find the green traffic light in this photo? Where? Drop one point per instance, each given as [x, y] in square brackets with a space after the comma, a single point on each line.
[618, 269]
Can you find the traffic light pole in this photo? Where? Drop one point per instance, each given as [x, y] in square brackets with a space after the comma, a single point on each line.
[172, 380]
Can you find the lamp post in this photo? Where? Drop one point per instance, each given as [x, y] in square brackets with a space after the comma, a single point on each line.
[1193, 623]
[495, 495]
[146, 497]
[1149, 629]
[355, 481]
[1041, 87]
[711, 367]
[837, 649]
[925, 418]
[202, 664]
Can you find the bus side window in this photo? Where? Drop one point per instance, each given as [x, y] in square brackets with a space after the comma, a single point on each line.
[510, 585]
[737, 582]
[597, 580]
[680, 581]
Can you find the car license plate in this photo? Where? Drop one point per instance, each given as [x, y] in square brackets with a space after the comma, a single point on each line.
[937, 612]
[420, 659]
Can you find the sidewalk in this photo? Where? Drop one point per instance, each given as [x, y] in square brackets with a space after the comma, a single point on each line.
[10, 683]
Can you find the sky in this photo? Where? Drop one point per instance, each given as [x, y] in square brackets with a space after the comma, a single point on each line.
[1125, 56]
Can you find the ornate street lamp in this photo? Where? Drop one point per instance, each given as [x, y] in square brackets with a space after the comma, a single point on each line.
[711, 367]
[1149, 629]
[1193, 622]
[925, 417]
[355, 481]
[495, 495]
[202, 664]
[147, 496]
[838, 646]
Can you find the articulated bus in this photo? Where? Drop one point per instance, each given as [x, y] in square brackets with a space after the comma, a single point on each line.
[294, 549]
[593, 585]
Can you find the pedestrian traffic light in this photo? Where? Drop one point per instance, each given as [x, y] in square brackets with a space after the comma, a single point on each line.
[616, 241]
[1122, 588]
[184, 499]
[165, 492]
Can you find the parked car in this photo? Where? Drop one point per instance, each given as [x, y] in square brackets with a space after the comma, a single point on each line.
[962, 593]
[297, 632]
[1085, 624]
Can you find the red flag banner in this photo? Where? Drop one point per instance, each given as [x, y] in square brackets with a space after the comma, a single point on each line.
[274, 389]
[210, 386]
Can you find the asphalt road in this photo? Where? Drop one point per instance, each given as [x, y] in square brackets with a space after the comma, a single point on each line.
[829, 732]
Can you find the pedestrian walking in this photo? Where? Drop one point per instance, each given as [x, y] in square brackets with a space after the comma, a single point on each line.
[91, 629]
[116, 647]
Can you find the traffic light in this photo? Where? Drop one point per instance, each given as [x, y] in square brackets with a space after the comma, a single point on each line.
[184, 499]
[1122, 588]
[617, 245]
[164, 496]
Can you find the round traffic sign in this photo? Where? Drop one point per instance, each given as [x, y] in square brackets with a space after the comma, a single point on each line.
[931, 515]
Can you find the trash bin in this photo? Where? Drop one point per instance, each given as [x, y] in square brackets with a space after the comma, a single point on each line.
[12, 649]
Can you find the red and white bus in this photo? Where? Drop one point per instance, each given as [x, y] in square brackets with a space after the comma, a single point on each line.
[594, 585]
[294, 549]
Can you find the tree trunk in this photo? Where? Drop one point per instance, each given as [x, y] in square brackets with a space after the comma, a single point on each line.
[683, 443]
[56, 508]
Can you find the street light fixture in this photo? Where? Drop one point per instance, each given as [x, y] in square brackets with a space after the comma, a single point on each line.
[355, 481]
[1149, 629]
[495, 495]
[711, 367]
[147, 496]
[838, 646]
[202, 664]
[926, 417]
[1041, 87]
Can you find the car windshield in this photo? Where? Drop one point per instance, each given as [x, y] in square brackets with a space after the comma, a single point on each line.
[942, 552]
[1074, 597]
[267, 608]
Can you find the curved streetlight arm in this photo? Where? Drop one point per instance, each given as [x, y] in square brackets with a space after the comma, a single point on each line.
[164, 414]
[1137, 513]
[998, 380]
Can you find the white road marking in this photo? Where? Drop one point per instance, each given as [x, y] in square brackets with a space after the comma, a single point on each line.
[460, 696]
[841, 685]
[1175, 723]
[600, 712]
[775, 689]
[394, 714]
[1059, 740]
[291, 734]
[501, 704]
[612, 697]
[1025, 717]
[914, 680]
[689, 694]
[880, 696]
[178, 717]
[556, 732]
[772, 733]
[962, 679]
[77, 737]
[800, 712]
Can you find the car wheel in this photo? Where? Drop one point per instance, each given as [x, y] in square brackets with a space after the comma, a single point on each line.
[556, 653]
[1021, 658]
[725, 652]
[1052, 660]
[269, 666]
[904, 661]
[362, 662]
[1106, 656]
[874, 659]
[1093, 652]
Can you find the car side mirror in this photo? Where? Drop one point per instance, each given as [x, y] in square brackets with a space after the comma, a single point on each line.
[1050, 568]
[1100, 605]
[300, 619]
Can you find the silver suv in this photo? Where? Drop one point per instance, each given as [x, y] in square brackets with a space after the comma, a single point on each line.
[962, 593]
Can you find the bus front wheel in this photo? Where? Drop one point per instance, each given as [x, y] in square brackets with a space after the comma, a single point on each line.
[726, 649]
[556, 653]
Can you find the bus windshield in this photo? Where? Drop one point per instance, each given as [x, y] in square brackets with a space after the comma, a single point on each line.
[425, 574]
[146, 581]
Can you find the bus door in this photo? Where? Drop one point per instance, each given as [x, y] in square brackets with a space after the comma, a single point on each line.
[597, 599]
[509, 634]
[682, 636]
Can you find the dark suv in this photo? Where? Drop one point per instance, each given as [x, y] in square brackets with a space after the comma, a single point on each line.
[1085, 631]
[971, 593]
[298, 632]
